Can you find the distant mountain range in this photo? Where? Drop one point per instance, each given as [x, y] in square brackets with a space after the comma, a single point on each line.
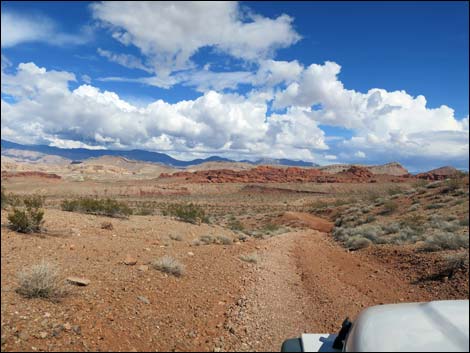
[81, 154]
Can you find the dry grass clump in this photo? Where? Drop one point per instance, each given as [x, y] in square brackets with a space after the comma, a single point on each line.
[41, 281]
[28, 219]
[169, 265]
[251, 258]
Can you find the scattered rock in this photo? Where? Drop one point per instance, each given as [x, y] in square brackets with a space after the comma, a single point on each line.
[23, 335]
[78, 281]
[190, 253]
[77, 329]
[143, 299]
[130, 260]
[143, 268]
[43, 335]
[72, 247]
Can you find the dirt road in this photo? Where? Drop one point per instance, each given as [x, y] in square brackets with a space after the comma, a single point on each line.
[307, 283]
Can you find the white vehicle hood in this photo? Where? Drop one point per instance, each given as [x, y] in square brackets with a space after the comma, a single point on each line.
[437, 326]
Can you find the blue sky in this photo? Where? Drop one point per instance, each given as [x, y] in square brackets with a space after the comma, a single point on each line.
[330, 82]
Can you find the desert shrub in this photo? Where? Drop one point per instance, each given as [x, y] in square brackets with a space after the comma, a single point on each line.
[4, 198]
[222, 239]
[107, 225]
[370, 218]
[450, 226]
[379, 201]
[270, 227]
[319, 204]
[434, 185]
[340, 234]
[41, 281]
[235, 224]
[454, 262]
[176, 237]
[357, 242]
[242, 237]
[28, 219]
[206, 239]
[190, 213]
[464, 222]
[434, 206]
[169, 265]
[445, 241]
[420, 183]
[196, 242]
[341, 202]
[389, 207]
[451, 185]
[144, 211]
[393, 227]
[394, 191]
[410, 191]
[103, 207]
[370, 232]
[458, 202]
[414, 221]
[406, 235]
[251, 258]
[338, 221]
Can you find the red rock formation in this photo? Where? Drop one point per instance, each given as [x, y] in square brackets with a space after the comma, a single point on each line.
[30, 174]
[267, 174]
[439, 174]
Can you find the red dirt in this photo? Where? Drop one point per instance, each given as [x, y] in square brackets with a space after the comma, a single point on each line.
[305, 220]
[303, 282]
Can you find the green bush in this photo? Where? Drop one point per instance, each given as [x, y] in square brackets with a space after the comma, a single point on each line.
[28, 219]
[190, 213]
[4, 198]
[104, 207]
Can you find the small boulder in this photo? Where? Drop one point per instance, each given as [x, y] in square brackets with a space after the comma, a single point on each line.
[129, 260]
[78, 281]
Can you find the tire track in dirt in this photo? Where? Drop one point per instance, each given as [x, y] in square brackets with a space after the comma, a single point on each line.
[305, 282]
